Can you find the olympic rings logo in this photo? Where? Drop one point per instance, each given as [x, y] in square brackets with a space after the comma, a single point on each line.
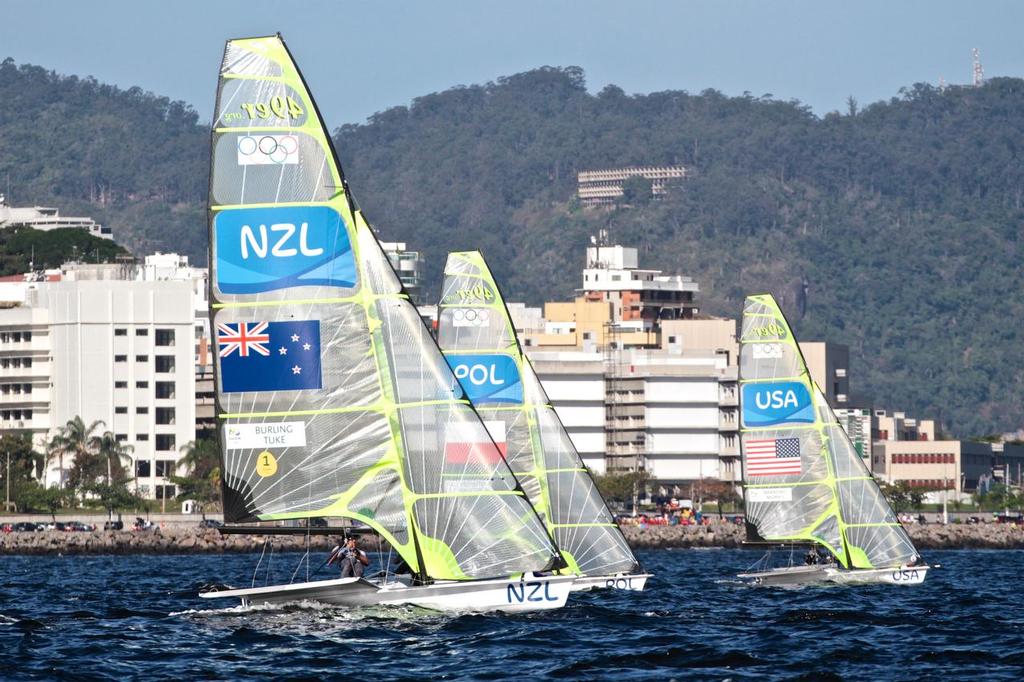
[470, 317]
[267, 149]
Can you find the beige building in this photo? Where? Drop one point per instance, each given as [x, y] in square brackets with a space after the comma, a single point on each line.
[829, 366]
[955, 465]
[598, 187]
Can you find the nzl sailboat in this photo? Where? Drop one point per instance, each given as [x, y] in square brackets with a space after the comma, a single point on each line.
[480, 343]
[333, 400]
[804, 483]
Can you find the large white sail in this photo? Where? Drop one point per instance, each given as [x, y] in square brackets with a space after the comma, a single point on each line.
[804, 481]
[332, 397]
[478, 337]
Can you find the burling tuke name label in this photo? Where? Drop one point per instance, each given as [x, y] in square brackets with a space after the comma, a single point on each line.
[262, 436]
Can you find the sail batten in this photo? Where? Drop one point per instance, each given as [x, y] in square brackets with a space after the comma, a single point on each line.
[332, 398]
[803, 479]
[476, 333]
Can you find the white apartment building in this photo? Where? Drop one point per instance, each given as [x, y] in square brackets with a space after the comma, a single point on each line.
[105, 346]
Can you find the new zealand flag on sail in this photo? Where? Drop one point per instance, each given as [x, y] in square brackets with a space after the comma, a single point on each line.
[269, 356]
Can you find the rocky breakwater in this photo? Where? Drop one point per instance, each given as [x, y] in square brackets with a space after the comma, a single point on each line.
[925, 536]
[156, 541]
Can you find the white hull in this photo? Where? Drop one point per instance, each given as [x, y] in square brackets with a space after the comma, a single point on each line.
[633, 582]
[529, 594]
[809, 575]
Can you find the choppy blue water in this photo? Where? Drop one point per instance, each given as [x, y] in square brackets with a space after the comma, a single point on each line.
[139, 617]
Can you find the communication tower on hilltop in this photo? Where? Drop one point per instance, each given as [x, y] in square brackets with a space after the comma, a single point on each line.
[979, 72]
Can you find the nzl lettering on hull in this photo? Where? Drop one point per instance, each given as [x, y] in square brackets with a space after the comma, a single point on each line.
[517, 593]
[487, 378]
[264, 249]
[781, 402]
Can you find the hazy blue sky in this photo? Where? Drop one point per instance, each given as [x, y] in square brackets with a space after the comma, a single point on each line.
[362, 57]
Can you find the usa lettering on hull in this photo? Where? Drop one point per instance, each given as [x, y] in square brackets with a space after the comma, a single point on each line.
[264, 249]
[487, 378]
[769, 404]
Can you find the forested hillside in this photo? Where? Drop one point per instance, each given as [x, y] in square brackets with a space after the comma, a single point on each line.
[901, 221]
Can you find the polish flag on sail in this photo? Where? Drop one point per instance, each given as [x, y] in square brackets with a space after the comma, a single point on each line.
[466, 443]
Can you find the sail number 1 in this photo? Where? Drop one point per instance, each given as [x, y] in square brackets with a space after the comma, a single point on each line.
[282, 107]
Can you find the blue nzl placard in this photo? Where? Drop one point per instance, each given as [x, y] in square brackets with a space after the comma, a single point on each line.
[782, 402]
[264, 249]
[487, 378]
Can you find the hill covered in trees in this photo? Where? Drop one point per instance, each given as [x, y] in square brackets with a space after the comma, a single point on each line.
[901, 221]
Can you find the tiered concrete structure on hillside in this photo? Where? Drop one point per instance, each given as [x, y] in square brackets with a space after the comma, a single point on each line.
[598, 187]
[43, 218]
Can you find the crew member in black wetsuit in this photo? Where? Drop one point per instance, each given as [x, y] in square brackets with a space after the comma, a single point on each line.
[350, 558]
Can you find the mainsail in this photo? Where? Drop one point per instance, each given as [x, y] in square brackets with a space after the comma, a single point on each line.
[479, 340]
[804, 481]
[332, 397]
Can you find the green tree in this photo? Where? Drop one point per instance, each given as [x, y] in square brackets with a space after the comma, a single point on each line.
[114, 454]
[622, 487]
[72, 440]
[902, 497]
[201, 482]
[636, 191]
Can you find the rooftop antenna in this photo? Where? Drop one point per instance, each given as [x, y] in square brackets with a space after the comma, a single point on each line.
[979, 72]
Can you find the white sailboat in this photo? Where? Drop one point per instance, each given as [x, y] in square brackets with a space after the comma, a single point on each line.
[479, 340]
[333, 400]
[804, 482]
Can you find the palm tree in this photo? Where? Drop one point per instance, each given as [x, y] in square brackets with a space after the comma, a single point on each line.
[112, 451]
[200, 458]
[74, 439]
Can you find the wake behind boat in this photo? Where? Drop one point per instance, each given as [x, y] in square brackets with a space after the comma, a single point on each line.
[804, 482]
[333, 400]
[479, 340]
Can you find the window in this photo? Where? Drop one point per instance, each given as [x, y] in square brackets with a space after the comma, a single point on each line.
[17, 337]
[165, 467]
[5, 337]
[165, 363]
[165, 337]
[141, 358]
[28, 414]
[141, 332]
[121, 437]
[671, 339]
[142, 468]
[141, 384]
[27, 336]
[141, 410]
[120, 358]
[120, 384]
[120, 332]
[26, 388]
[142, 436]
[165, 492]
[27, 362]
[165, 441]
[164, 415]
[120, 410]
[164, 389]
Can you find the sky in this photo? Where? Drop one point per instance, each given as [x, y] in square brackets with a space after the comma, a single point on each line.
[360, 57]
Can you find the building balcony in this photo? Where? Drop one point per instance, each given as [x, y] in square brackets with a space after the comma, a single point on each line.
[728, 398]
[728, 423]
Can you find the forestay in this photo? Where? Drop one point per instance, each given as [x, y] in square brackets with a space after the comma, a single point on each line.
[478, 337]
[804, 480]
[332, 397]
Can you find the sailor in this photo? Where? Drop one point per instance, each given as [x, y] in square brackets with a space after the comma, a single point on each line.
[812, 557]
[350, 558]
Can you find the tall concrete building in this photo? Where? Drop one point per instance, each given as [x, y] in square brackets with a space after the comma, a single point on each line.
[105, 343]
[409, 266]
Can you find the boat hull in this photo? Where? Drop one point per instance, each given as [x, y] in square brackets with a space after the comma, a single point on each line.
[809, 575]
[628, 582]
[531, 594]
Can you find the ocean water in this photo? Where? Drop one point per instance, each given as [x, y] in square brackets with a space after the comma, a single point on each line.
[138, 617]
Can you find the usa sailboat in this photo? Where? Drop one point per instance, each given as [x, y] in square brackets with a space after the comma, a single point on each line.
[804, 483]
[479, 340]
[333, 399]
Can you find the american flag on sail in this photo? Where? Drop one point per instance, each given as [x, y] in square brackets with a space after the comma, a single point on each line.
[773, 457]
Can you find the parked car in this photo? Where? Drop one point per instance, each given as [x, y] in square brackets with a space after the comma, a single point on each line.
[210, 523]
[27, 527]
[60, 525]
[6, 528]
[113, 525]
[79, 527]
[1015, 519]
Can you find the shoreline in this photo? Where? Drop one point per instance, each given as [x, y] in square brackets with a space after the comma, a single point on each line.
[191, 540]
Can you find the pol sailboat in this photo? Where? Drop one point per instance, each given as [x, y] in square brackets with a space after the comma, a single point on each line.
[333, 400]
[804, 482]
[479, 340]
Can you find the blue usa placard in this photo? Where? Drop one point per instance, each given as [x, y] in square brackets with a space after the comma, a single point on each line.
[264, 249]
[782, 402]
[269, 356]
[487, 378]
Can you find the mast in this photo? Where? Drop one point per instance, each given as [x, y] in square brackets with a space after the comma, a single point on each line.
[476, 332]
[332, 398]
[804, 480]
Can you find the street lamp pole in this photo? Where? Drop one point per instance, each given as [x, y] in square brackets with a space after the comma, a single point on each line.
[7, 481]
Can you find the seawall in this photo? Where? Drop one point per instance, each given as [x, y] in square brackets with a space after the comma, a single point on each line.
[185, 540]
